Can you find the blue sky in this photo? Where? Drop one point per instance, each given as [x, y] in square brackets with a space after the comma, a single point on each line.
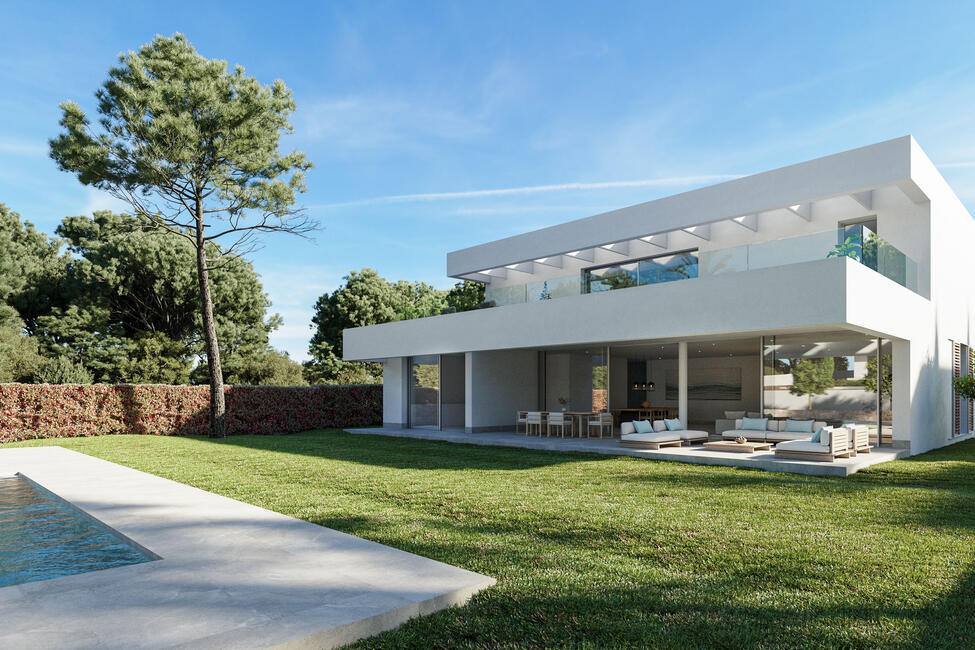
[434, 126]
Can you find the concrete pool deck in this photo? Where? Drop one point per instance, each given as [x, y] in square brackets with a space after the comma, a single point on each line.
[231, 575]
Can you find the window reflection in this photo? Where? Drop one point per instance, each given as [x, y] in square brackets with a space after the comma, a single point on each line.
[665, 268]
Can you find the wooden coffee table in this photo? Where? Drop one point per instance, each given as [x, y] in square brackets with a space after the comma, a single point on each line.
[740, 447]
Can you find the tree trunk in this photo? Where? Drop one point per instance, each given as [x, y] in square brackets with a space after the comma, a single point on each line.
[218, 410]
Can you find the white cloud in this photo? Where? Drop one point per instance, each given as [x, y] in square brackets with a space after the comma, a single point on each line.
[671, 181]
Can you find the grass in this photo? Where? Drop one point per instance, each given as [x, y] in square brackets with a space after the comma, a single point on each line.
[596, 551]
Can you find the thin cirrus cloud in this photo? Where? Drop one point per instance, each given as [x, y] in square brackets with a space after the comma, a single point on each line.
[372, 123]
[23, 147]
[671, 181]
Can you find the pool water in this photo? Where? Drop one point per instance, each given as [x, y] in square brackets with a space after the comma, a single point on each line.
[42, 536]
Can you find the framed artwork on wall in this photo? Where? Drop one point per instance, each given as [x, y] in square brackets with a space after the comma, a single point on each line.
[706, 384]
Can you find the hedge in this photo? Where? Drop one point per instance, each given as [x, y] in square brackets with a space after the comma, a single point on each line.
[69, 410]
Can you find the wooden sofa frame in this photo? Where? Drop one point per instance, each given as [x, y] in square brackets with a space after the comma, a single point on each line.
[839, 447]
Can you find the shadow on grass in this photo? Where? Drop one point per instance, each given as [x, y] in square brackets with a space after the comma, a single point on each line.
[757, 607]
[404, 453]
[951, 467]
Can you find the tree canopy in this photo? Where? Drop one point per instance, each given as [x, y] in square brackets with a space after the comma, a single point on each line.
[122, 305]
[193, 148]
[367, 298]
[870, 379]
[812, 376]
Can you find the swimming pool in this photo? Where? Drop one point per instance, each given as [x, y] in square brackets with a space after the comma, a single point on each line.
[43, 536]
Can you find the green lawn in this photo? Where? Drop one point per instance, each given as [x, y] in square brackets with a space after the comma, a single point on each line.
[597, 551]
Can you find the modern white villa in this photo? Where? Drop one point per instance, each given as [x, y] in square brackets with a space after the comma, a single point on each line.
[837, 289]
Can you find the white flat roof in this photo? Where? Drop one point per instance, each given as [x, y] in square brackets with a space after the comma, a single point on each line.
[849, 172]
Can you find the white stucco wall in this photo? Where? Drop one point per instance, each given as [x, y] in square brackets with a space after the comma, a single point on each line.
[814, 295]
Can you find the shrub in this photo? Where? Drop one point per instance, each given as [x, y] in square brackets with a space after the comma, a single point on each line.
[69, 410]
[62, 371]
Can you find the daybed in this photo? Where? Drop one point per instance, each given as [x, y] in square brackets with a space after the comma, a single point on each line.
[833, 444]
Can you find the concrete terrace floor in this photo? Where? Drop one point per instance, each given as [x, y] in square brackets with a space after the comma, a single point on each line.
[231, 575]
[696, 454]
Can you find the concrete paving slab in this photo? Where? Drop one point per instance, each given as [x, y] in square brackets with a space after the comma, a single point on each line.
[231, 575]
[697, 454]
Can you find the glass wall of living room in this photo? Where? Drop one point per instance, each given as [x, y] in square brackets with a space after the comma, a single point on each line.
[721, 376]
[837, 377]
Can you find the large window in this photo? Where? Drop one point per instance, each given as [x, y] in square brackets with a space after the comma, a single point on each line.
[838, 378]
[652, 270]
[425, 392]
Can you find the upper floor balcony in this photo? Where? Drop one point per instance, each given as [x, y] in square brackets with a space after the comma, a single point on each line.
[866, 204]
[857, 242]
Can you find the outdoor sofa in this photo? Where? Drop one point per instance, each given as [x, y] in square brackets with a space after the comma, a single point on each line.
[833, 443]
[774, 431]
[659, 437]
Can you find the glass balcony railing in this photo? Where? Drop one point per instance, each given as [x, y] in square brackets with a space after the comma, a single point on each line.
[858, 242]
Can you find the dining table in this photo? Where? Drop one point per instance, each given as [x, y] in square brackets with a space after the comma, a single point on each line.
[578, 418]
[648, 413]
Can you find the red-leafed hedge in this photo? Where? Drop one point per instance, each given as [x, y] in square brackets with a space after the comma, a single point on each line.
[61, 411]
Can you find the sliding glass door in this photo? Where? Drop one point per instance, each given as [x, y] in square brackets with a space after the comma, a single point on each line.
[424, 395]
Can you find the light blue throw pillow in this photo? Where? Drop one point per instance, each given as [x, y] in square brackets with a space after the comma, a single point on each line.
[642, 426]
[818, 436]
[799, 426]
[754, 424]
[674, 425]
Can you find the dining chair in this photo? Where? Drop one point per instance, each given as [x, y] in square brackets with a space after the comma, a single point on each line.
[521, 418]
[601, 422]
[533, 420]
[559, 420]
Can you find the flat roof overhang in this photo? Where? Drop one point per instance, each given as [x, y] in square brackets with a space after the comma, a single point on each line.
[833, 293]
[899, 162]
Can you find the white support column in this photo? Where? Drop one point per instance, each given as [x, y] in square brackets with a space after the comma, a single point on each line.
[761, 375]
[469, 391]
[903, 385]
[682, 382]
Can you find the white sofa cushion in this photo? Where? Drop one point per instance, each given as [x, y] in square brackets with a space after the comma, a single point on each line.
[659, 425]
[754, 436]
[691, 434]
[803, 445]
[667, 436]
[787, 435]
